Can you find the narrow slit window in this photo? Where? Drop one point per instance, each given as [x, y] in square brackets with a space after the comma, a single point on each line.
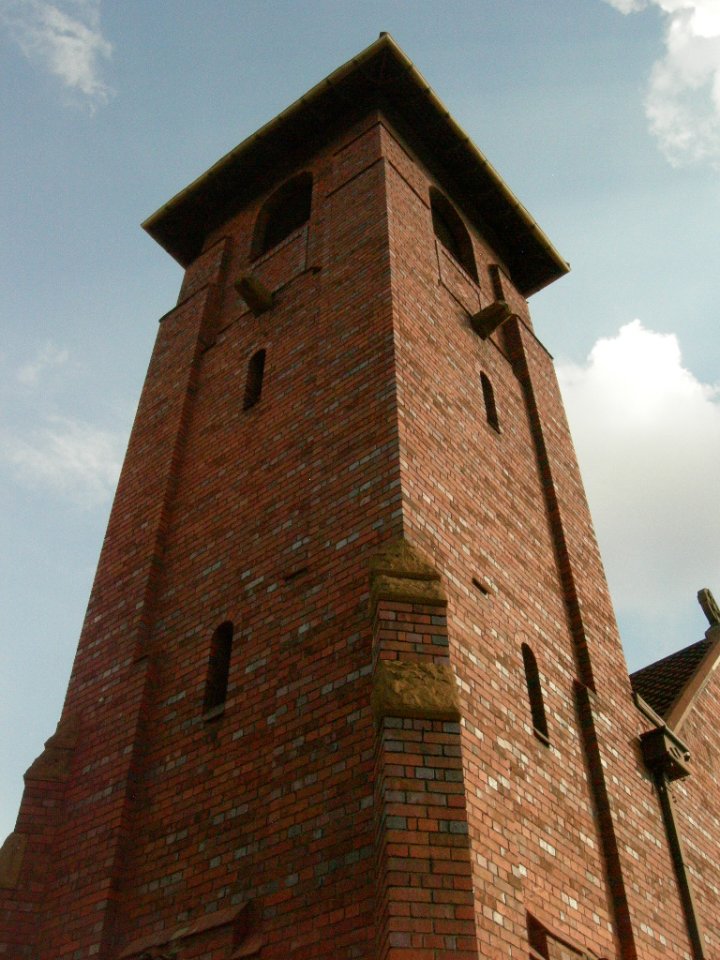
[545, 945]
[254, 382]
[534, 688]
[496, 281]
[489, 398]
[283, 213]
[452, 232]
[480, 587]
[537, 939]
[218, 671]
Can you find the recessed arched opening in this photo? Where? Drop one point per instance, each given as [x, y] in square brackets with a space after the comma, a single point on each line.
[452, 232]
[284, 211]
[254, 381]
[218, 672]
[535, 695]
[489, 399]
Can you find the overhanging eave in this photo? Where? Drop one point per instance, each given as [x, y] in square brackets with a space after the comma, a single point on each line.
[381, 77]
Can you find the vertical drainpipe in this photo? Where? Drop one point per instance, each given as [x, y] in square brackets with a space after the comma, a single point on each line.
[666, 758]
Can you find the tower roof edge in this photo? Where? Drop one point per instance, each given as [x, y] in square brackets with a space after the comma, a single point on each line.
[380, 76]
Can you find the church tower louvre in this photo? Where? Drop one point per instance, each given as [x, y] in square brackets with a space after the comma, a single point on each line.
[350, 684]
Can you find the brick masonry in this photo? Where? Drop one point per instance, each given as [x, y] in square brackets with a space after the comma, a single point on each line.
[372, 785]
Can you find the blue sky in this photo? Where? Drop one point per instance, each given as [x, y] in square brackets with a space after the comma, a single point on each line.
[603, 117]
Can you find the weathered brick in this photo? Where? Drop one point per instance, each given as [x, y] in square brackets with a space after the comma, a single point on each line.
[287, 817]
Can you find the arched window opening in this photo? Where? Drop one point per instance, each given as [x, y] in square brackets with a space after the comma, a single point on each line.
[254, 382]
[218, 672]
[285, 211]
[452, 232]
[537, 705]
[489, 398]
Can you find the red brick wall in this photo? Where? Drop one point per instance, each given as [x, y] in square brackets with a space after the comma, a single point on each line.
[168, 817]
[697, 807]
[274, 825]
[548, 834]
[274, 801]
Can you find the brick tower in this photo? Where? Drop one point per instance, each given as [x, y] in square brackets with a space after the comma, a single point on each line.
[349, 684]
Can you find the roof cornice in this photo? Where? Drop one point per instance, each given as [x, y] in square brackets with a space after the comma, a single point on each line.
[381, 76]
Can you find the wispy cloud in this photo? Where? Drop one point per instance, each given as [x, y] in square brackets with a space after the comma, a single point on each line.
[47, 356]
[64, 38]
[70, 458]
[648, 439]
[683, 98]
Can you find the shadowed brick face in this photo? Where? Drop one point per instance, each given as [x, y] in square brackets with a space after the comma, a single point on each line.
[368, 784]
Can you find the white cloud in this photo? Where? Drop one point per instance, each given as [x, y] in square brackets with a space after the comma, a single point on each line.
[73, 459]
[683, 98]
[64, 38]
[647, 434]
[628, 6]
[48, 356]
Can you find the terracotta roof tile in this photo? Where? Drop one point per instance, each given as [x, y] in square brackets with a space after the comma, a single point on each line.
[661, 683]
